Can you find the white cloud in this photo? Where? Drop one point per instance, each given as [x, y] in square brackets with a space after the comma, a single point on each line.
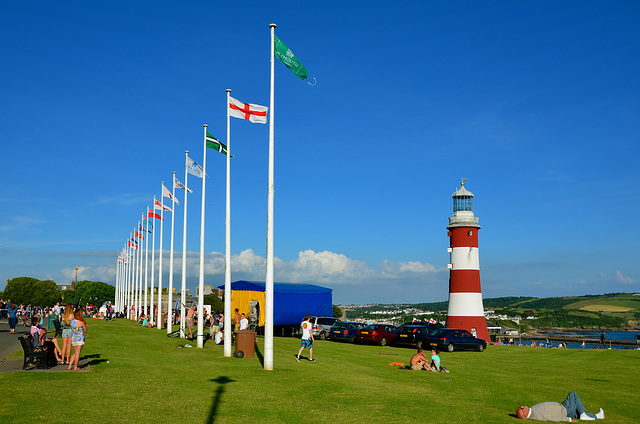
[622, 279]
[345, 275]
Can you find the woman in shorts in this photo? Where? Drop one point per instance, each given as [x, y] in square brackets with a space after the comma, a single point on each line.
[66, 318]
[78, 327]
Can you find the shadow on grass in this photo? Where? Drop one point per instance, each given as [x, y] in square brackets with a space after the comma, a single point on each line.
[259, 354]
[222, 380]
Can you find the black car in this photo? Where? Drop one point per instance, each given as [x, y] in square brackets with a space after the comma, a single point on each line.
[451, 339]
[412, 336]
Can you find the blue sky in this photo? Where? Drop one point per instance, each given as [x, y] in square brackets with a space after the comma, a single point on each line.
[536, 103]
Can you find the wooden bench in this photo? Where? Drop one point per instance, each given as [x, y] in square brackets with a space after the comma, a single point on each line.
[34, 356]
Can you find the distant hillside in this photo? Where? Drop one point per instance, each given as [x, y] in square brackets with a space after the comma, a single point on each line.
[607, 310]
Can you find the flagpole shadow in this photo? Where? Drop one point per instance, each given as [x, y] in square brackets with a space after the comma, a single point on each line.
[259, 354]
[215, 402]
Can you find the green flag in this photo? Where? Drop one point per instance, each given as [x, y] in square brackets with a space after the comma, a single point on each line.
[286, 56]
[214, 144]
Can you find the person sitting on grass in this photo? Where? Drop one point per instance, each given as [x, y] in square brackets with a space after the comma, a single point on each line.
[570, 409]
[435, 361]
[419, 361]
[145, 322]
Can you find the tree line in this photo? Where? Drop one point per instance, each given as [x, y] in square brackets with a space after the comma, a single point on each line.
[31, 291]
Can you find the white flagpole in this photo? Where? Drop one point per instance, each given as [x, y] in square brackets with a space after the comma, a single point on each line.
[139, 272]
[134, 277]
[146, 263]
[159, 318]
[129, 288]
[170, 299]
[201, 277]
[139, 250]
[117, 283]
[227, 255]
[183, 291]
[268, 327]
[153, 256]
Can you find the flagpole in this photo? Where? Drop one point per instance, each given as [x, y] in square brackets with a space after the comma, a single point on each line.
[134, 277]
[129, 288]
[153, 255]
[227, 254]
[268, 327]
[139, 270]
[139, 250]
[146, 264]
[159, 316]
[117, 283]
[183, 292]
[170, 299]
[201, 276]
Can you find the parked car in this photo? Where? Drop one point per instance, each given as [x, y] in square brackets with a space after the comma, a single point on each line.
[383, 334]
[344, 331]
[321, 325]
[429, 325]
[451, 339]
[412, 336]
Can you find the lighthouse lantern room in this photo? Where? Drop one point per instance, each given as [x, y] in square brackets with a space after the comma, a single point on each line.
[465, 295]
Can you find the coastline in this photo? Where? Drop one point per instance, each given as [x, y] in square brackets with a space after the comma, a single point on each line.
[569, 335]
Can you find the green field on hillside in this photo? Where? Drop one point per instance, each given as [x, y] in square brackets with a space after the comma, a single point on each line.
[138, 375]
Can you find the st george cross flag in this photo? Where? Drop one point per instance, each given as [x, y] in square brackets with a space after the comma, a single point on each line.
[193, 168]
[254, 113]
[288, 59]
[215, 144]
[167, 193]
[178, 184]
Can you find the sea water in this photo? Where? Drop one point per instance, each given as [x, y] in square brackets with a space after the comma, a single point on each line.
[609, 335]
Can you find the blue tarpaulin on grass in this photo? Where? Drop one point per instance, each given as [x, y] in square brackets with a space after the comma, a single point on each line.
[290, 301]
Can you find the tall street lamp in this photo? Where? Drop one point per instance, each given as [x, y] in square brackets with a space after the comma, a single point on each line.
[75, 291]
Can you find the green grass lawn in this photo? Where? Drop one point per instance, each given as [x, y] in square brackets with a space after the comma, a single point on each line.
[139, 376]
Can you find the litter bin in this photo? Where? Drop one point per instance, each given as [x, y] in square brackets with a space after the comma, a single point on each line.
[245, 343]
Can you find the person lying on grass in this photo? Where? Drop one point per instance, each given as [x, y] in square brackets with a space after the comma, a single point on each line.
[570, 409]
[419, 361]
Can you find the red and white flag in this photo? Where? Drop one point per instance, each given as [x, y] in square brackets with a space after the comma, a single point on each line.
[159, 205]
[249, 111]
[167, 193]
[154, 215]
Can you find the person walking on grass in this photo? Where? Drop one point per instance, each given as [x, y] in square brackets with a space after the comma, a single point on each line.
[307, 338]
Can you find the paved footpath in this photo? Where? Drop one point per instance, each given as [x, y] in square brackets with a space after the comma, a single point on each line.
[9, 343]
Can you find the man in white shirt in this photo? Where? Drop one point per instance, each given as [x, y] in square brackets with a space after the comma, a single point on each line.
[307, 338]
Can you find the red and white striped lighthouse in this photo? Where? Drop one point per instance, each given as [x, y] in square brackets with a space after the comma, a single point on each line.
[465, 295]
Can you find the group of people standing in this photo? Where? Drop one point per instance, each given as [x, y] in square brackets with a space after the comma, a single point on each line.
[73, 326]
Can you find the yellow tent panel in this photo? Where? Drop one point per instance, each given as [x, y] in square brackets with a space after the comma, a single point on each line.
[241, 299]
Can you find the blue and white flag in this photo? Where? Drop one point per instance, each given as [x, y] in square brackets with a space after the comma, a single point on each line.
[193, 168]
